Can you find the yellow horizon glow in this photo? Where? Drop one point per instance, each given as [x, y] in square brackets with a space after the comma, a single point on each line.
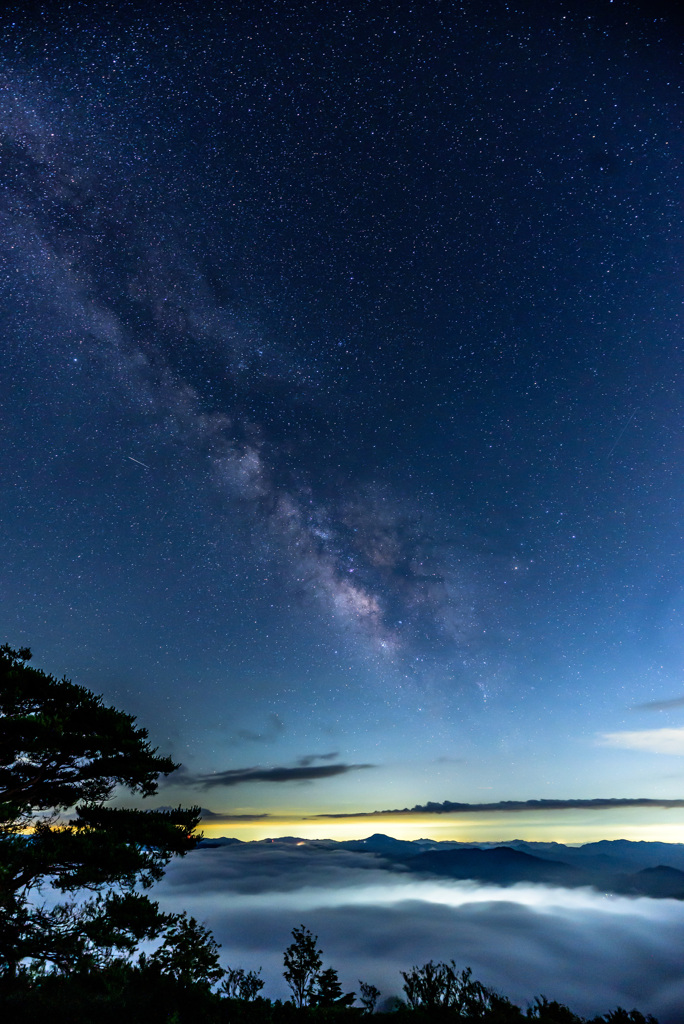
[568, 827]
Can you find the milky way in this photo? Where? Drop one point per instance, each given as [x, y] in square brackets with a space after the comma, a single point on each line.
[371, 559]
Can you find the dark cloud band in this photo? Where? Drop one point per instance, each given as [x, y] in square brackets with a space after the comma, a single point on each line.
[228, 818]
[449, 807]
[660, 705]
[299, 773]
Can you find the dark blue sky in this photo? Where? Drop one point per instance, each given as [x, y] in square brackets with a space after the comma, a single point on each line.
[341, 389]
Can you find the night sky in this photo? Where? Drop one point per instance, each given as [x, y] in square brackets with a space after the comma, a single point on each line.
[341, 378]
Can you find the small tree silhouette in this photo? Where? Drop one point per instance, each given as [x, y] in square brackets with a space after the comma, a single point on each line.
[241, 984]
[189, 953]
[369, 996]
[328, 991]
[302, 965]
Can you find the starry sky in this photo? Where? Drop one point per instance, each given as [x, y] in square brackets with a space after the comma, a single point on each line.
[341, 383]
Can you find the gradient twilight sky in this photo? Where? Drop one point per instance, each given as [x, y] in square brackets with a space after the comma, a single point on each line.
[342, 401]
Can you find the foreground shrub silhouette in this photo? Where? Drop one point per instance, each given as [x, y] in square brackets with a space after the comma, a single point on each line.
[441, 986]
[156, 990]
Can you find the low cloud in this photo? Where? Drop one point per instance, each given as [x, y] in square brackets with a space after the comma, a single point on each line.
[302, 772]
[228, 819]
[577, 946]
[450, 807]
[304, 762]
[660, 705]
[654, 741]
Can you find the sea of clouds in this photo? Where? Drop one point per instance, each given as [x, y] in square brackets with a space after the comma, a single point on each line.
[588, 949]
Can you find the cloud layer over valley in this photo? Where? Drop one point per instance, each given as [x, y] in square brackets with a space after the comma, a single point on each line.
[374, 919]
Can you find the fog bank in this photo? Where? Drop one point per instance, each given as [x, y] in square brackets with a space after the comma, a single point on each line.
[579, 946]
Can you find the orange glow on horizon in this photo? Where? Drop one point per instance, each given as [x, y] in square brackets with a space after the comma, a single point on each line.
[568, 827]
